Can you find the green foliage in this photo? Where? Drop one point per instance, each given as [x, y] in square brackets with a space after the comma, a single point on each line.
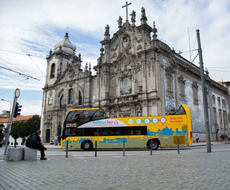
[15, 131]
[25, 128]
[32, 125]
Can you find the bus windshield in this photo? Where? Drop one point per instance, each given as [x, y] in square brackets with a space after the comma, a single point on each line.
[83, 116]
[180, 111]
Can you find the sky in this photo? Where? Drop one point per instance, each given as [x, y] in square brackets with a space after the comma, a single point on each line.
[29, 29]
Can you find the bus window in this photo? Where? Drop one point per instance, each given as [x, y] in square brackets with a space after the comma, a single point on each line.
[99, 114]
[98, 132]
[71, 131]
[73, 116]
[107, 131]
[86, 116]
[138, 132]
[103, 114]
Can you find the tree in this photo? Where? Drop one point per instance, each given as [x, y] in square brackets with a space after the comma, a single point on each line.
[31, 126]
[15, 131]
[25, 128]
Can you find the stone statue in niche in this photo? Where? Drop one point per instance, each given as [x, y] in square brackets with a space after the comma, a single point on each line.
[126, 62]
[113, 84]
[71, 73]
[126, 42]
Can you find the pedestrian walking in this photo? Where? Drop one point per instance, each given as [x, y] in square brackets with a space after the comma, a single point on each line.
[56, 140]
[197, 138]
[35, 143]
[1, 135]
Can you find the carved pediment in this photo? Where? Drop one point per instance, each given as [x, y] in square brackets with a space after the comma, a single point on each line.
[126, 42]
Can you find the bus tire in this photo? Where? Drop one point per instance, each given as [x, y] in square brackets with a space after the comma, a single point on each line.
[155, 144]
[87, 145]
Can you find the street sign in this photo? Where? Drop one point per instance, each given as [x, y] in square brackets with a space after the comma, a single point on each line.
[17, 93]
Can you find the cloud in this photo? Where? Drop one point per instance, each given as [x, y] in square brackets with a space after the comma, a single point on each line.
[29, 108]
[34, 27]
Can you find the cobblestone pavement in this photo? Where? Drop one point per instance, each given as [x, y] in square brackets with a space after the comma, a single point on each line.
[164, 170]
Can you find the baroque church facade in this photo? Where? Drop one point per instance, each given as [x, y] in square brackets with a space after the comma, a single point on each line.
[136, 75]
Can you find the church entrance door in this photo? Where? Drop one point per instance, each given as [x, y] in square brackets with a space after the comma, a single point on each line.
[47, 135]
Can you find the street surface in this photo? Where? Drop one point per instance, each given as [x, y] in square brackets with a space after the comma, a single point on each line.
[193, 168]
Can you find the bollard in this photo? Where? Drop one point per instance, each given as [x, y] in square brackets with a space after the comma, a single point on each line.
[67, 142]
[95, 148]
[123, 148]
[151, 147]
[178, 145]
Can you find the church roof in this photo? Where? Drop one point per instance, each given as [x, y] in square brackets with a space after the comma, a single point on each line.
[65, 45]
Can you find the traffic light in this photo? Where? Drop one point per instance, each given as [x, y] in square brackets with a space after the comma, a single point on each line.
[17, 110]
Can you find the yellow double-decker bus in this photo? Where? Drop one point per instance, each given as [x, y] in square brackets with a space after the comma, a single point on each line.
[84, 127]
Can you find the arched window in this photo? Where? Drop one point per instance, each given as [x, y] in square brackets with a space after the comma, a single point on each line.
[79, 98]
[169, 79]
[52, 71]
[50, 100]
[61, 101]
[213, 100]
[195, 93]
[126, 85]
[70, 100]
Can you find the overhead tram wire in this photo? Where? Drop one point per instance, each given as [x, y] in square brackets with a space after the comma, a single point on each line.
[219, 70]
[29, 55]
[195, 57]
[14, 87]
[35, 64]
[219, 67]
[22, 74]
[10, 64]
[194, 49]
[18, 53]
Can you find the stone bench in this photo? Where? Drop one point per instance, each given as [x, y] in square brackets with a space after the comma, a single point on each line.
[20, 153]
[15, 154]
[30, 154]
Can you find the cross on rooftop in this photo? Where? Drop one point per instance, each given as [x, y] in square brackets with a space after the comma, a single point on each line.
[126, 5]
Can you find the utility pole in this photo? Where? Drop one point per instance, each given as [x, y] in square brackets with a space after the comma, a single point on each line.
[204, 93]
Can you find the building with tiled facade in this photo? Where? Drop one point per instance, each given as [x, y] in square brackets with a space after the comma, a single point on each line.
[136, 74]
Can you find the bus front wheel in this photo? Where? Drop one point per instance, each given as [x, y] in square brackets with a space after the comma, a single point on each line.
[87, 145]
[155, 144]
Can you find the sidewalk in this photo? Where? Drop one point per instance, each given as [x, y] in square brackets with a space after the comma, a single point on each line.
[52, 146]
[167, 170]
[212, 143]
[194, 144]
